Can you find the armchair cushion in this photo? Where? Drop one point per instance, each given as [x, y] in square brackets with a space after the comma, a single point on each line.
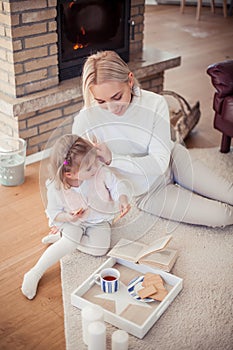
[227, 110]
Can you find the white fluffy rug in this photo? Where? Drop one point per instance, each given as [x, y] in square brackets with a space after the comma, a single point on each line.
[201, 316]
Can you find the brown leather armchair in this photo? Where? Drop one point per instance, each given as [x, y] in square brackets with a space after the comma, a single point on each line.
[222, 79]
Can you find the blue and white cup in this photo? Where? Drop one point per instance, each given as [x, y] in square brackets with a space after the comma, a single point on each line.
[108, 279]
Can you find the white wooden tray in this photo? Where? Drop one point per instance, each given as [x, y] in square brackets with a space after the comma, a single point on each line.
[120, 308]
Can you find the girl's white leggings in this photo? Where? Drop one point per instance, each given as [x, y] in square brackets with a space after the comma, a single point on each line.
[93, 240]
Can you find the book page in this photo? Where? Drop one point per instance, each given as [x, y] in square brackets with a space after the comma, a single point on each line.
[162, 257]
[127, 250]
[156, 246]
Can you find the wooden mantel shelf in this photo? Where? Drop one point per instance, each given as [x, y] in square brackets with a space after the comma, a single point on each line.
[152, 61]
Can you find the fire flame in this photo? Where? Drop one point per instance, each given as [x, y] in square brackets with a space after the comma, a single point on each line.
[82, 30]
[79, 45]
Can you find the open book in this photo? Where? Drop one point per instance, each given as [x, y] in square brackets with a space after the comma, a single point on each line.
[156, 254]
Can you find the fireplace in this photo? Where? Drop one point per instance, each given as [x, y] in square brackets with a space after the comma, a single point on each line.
[34, 103]
[86, 26]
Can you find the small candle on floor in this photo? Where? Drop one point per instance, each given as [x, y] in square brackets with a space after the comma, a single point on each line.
[97, 336]
[120, 340]
[90, 314]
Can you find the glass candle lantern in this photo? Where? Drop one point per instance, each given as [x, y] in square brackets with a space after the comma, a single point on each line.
[12, 161]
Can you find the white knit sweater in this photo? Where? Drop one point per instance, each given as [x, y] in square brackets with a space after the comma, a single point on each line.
[140, 139]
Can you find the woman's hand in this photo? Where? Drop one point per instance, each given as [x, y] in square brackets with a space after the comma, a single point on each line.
[104, 153]
[124, 204]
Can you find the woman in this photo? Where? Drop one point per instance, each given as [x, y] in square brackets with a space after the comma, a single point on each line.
[131, 130]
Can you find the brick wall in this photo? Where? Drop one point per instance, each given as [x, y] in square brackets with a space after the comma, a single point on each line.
[43, 126]
[28, 48]
[137, 15]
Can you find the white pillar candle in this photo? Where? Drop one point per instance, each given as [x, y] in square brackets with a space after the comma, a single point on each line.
[120, 340]
[97, 336]
[90, 314]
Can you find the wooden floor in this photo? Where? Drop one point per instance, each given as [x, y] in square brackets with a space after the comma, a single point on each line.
[38, 324]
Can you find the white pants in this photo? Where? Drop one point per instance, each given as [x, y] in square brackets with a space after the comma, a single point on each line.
[191, 193]
[93, 240]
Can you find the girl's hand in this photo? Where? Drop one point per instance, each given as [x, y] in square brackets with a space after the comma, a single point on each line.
[53, 230]
[76, 214]
[104, 153]
[69, 217]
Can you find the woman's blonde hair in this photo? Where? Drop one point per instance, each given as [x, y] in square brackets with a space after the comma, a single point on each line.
[102, 67]
[67, 155]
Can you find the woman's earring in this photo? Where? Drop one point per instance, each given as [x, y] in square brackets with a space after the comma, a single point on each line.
[136, 90]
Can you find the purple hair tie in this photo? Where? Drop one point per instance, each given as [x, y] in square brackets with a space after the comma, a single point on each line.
[65, 162]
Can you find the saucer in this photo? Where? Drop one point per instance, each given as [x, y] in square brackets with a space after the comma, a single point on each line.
[134, 286]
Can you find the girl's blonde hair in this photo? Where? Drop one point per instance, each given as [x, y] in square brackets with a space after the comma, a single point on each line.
[67, 155]
[102, 67]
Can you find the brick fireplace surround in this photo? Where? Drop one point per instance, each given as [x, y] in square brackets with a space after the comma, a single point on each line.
[34, 105]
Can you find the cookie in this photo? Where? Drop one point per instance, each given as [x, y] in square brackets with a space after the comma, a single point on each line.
[159, 295]
[146, 292]
[152, 279]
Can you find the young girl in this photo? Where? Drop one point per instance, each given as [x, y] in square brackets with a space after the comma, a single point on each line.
[132, 129]
[81, 197]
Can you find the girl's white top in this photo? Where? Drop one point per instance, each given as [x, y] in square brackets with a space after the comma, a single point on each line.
[98, 196]
[140, 140]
